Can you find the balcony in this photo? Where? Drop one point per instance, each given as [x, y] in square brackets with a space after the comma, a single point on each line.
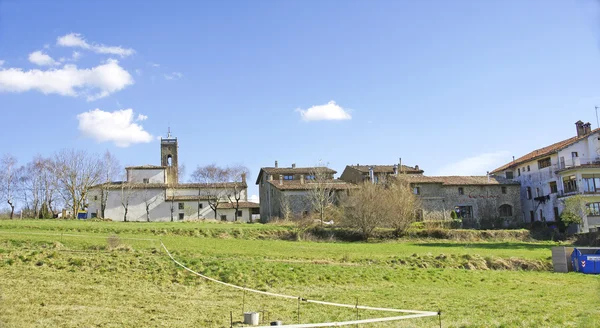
[576, 162]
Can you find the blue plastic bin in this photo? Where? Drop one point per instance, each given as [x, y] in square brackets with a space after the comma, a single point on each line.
[586, 260]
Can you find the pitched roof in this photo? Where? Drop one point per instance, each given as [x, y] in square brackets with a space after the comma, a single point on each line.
[297, 185]
[385, 168]
[241, 205]
[121, 184]
[146, 167]
[543, 152]
[210, 185]
[295, 170]
[458, 180]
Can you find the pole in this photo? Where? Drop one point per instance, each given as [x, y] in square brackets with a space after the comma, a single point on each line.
[597, 122]
[440, 317]
[357, 316]
[231, 318]
[298, 310]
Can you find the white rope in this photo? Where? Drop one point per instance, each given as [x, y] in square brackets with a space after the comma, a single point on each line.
[416, 314]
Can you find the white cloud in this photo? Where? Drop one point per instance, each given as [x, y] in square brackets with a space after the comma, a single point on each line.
[41, 59]
[173, 76]
[155, 65]
[327, 112]
[118, 127]
[254, 199]
[476, 165]
[76, 55]
[93, 83]
[77, 40]
[2, 62]
[141, 117]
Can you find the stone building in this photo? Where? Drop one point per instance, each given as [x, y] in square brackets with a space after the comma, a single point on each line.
[553, 173]
[358, 174]
[153, 193]
[471, 197]
[286, 190]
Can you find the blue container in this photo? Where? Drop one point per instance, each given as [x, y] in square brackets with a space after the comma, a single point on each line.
[586, 260]
[82, 215]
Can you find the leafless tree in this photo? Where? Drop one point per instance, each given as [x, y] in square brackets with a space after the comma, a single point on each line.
[322, 194]
[111, 169]
[127, 191]
[286, 207]
[402, 205]
[149, 200]
[10, 180]
[76, 171]
[214, 177]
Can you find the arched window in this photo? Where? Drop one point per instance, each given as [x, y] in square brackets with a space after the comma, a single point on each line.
[505, 210]
[169, 160]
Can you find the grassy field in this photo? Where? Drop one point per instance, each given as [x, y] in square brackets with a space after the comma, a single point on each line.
[50, 276]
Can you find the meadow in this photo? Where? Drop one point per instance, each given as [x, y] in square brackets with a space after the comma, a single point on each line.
[112, 274]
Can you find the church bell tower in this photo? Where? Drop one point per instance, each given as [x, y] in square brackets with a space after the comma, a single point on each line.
[168, 157]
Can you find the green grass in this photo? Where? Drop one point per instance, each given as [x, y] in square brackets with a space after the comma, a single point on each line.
[66, 281]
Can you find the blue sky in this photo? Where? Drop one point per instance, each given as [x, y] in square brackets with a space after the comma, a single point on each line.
[457, 87]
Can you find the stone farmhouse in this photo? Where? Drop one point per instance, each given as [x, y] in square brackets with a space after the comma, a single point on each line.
[288, 189]
[153, 193]
[470, 197]
[556, 172]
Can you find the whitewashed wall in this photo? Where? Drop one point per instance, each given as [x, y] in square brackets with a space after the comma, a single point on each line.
[153, 175]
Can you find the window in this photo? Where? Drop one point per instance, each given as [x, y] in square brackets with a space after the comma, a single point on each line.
[146, 180]
[200, 205]
[531, 216]
[288, 177]
[553, 187]
[239, 213]
[181, 206]
[464, 212]
[591, 183]
[574, 154]
[461, 191]
[509, 175]
[181, 216]
[537, 192]
[309, 177]
[94, 215]
[528, 192]
[570, 183]
[593, 208]
[503, 190]
[519, 172]
[95, 197]
[505, 210]
[223, 217]
[556, 215]
[542, 163]
[169, 160]
[528, 168]
[416, 190]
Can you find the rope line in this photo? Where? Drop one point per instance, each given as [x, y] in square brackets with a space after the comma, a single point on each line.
[415, 313]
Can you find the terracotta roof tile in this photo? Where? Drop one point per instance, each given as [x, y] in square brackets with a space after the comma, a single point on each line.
[297, 185]
[241, 204]
[385, 168]
[458, 180]
[289, 170]
[543, 152]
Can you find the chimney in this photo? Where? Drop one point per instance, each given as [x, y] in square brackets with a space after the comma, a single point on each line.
[400, 164]
[371, 174]
[276, 164]
[417, 167]
[270, 177]
[587, 128]
[280, 179]
[293, 165]
[301, 178]
[243, 177]
[580, 129]
[395, 169]
[488, 176]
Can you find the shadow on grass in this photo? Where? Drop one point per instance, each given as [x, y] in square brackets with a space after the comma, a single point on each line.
[506, 245]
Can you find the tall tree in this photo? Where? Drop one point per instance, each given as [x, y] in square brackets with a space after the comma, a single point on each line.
[237, 173]
[322, 194]
[10, 180]
[127, 193]
[110, 171]
[220, 184]
[76, 171]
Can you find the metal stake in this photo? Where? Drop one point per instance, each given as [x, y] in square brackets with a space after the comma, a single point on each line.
[298, 310]
[357, 316]
[440, 317]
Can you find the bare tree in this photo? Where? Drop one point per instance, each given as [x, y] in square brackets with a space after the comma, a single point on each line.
[322, 193]
[237, 173]
[212, 176]
[401, 204]
[127, 192]
[76, 171]
[286, 208]
[149, 200]
[362, 209]
[110, 171]
[10, 180]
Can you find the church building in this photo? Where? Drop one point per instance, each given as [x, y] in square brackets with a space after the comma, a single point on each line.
[153, 193]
